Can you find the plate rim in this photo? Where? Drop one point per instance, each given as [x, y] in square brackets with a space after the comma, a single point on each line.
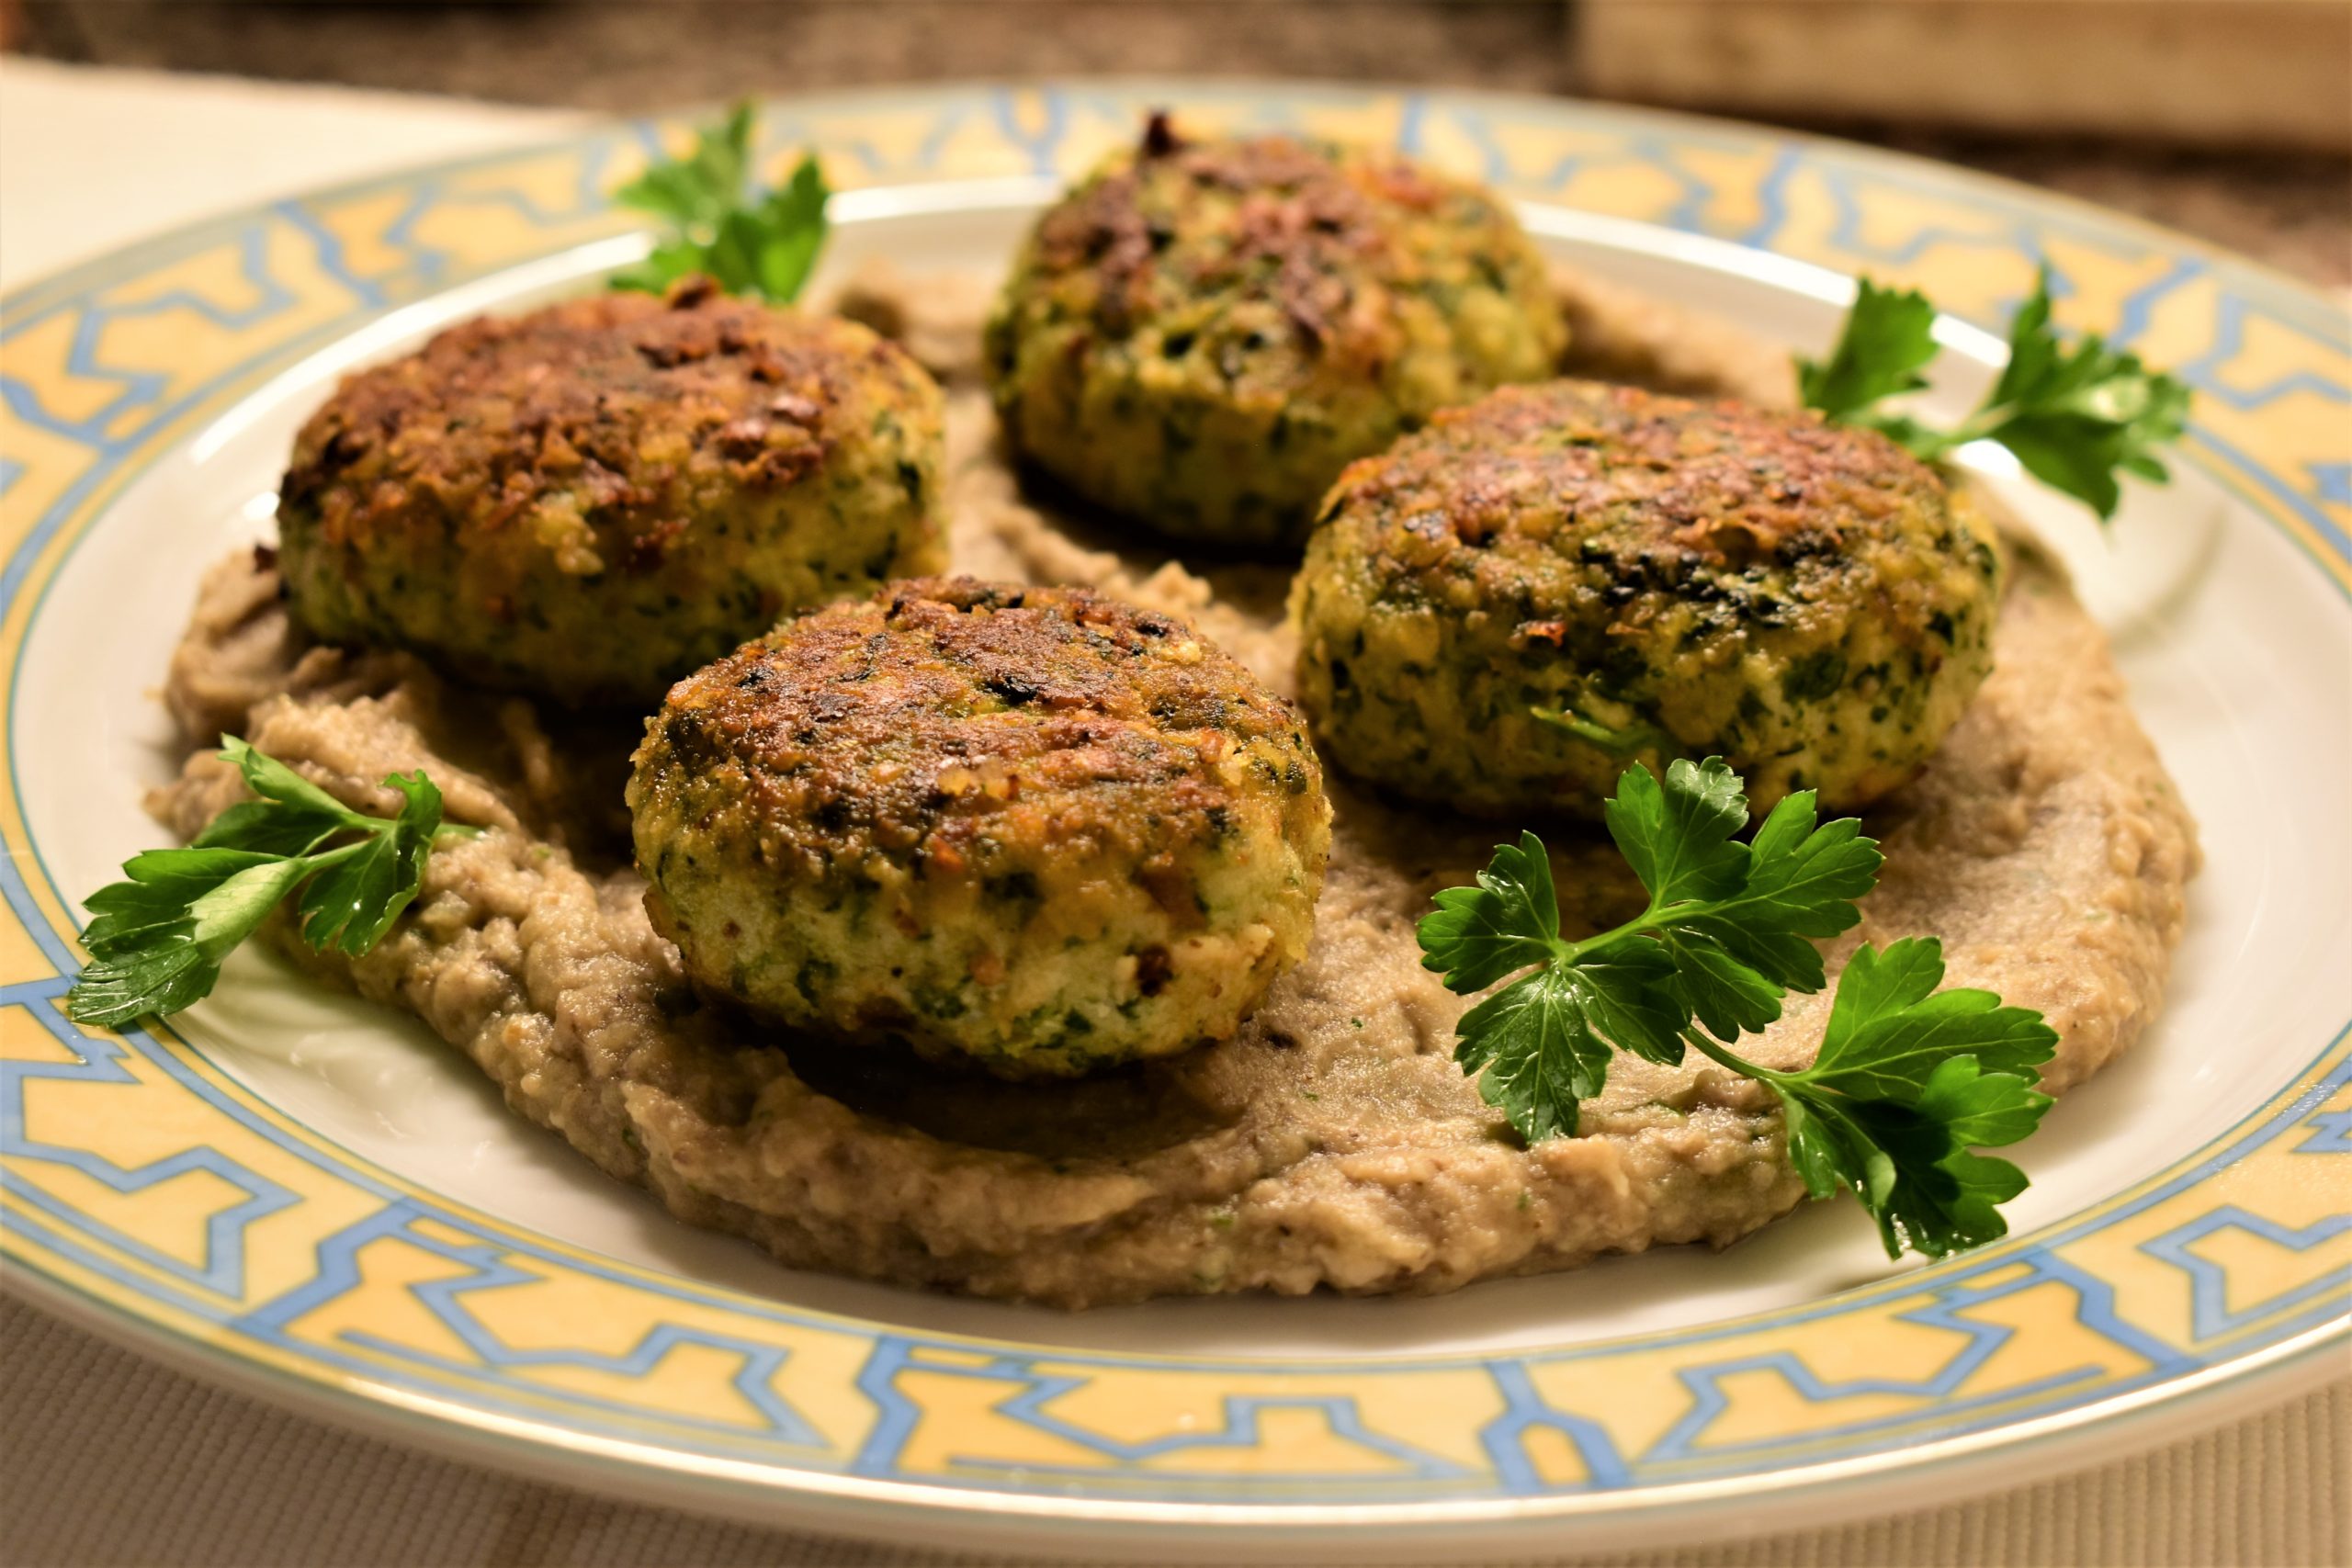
[1694, 1512]
[93, 272]
[1690, 121]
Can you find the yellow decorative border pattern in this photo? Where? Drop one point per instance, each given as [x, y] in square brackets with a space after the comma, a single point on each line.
[135, 1173]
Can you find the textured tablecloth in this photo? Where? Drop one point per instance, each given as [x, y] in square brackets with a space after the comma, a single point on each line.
[106, 1458]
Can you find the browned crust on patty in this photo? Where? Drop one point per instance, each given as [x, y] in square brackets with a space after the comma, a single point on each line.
[947, 709]
[588, 501]
[615, 396]
[1200, 335]
[1308, 224]
[1720, 482]
[1504, 609]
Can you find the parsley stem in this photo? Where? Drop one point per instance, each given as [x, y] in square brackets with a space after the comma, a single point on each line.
[1907, 1079]
[1644, 924]
[1722, 1056]
[1615, 740]
[1568, 951]
[1935, 446]
[157, 937]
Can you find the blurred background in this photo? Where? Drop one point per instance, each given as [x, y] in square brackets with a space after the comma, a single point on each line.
[2231, 119]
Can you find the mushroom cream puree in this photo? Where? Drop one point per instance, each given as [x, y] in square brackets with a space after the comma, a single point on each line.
[1332, 1141]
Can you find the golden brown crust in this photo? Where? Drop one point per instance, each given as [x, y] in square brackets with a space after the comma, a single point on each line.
[951, 709]
[1028, 829]
[1202, 333]
[615, 394]
[1505, 609]
[1719, 483]
[590, 500]
[1308, 224]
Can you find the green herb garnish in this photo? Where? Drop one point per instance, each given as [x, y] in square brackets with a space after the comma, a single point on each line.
[2073, 417]
[158, 936]
[1908, 1079]
[1617, 739]
[748, 242]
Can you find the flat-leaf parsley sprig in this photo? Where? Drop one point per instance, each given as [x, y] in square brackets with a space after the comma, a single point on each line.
[748, 242]
[1909, 1080]
[158, 935]
[2073, 417]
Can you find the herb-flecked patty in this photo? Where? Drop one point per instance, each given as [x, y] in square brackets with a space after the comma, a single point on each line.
[1203, 334]
[590, 500]
[1508, 608]
[1032, 829]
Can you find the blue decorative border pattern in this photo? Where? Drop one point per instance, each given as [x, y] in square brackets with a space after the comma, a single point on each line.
[135, 1173]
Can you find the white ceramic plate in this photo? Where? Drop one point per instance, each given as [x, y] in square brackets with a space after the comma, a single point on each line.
[310, 1194]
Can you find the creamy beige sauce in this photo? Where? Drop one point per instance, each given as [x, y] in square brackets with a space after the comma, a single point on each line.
[1333, 1143]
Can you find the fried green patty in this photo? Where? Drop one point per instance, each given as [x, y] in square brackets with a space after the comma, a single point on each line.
[1504, 611]
[1202, 333]
[589, 500]
[1032, 828]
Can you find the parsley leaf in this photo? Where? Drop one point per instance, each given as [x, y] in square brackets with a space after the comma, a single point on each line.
[1535, 1053]
[762, 243]
[701, 188]
[351, 903]
[1510, 919]
[1724, 938]
[292, 816]
[1909, 1079]
[157, 937]
[2073, 417]
[1735, 917]
[1889, 335]
[1889, 1029]
[1678, 837]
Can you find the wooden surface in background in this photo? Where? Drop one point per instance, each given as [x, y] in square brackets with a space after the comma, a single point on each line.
[2291, 208]
[2249, 73]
